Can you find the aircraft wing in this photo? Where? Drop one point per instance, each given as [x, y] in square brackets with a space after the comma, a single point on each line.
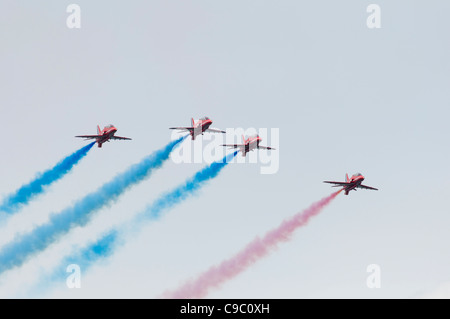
[233, 145]
[266, 147]
[119, 138]
[241, 147]
[337, 184]
[89, 136]
[367, 187]
[182, 128]
[214, 130]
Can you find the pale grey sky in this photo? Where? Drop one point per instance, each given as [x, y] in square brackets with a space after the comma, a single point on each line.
[345, 98]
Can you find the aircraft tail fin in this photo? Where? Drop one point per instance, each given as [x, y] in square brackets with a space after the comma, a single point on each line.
[192, 122]
[243, 139]
[99, 131]
[346, 178]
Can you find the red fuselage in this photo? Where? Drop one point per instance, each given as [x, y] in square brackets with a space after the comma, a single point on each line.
[354, 181]
[106, 135]
[251, 144]
[200, 127]
[351, 183]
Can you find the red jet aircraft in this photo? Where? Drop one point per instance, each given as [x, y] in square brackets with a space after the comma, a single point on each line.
[249, 145]
[198, 128]
[351, 183]
[104, 135]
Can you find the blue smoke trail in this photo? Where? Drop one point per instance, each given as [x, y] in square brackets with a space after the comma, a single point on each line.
[105, 246]
[85, 258]
[15, 253]
[13, 202]
[181, 192]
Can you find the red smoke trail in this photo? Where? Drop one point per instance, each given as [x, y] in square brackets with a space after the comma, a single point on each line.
[255, 250]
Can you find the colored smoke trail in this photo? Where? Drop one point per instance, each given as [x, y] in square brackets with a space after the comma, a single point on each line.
[109, 242]
[189, 187]
[84, 258]
[87, 256]
[255, 250]
[13, 202]
[18, 251]
[102, 247]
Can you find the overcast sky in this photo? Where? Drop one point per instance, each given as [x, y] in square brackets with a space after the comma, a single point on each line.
[344, 97]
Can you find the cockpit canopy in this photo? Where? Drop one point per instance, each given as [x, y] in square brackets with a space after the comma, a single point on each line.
[357, 175]
[205, 118]
[109, 126]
